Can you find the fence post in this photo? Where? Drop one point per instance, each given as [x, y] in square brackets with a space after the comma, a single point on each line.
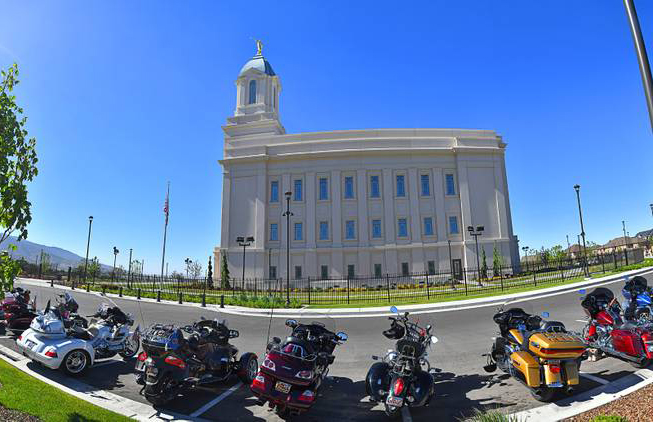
[562, 270]
[614, 259]
[255, 287]
[428, 293]
[104, 289]
[139, 294]
[501, 277]
[222, 301]
[465, 279]
[387, 280]
[309, 290]
[69, 271]
[87, 287]
[120, 292]
[603, 262]
[180, 298]
[52, 283]
[158, 295]
[204, 299]
[534, 278]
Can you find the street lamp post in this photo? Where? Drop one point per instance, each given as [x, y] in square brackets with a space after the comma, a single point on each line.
[288, 214]
[187, 261]
[244, 242]
[525, 249]
[623, 226]
[476, 233]
[115, 255]
[88, 244]
[651, 205]
[582, 230]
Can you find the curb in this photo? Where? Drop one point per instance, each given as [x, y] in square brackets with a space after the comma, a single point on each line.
[101, 398]
[375, 311]
[588, 400]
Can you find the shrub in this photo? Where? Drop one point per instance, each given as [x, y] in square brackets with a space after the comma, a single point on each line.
[609, 418]
[491, 416]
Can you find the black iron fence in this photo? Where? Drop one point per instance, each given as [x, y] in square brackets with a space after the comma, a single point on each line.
[388, 288]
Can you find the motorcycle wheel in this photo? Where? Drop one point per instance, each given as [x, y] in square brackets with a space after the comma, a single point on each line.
[544, 394]
[645, 363]
[249, 368]
[131, 348]
[392, 411]
[75, 362]
[160, 393]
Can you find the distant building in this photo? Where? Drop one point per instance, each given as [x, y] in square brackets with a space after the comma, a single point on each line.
[574, 251]
[621, 243]
[363, 202]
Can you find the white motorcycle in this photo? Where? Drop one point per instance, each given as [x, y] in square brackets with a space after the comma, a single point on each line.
[74, 349]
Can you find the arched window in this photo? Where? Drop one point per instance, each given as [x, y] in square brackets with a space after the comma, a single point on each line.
[252, 91]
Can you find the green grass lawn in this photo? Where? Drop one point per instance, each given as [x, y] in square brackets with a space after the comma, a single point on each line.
[25, 393]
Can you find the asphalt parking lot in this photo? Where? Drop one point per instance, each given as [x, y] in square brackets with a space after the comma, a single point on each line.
[461, 387]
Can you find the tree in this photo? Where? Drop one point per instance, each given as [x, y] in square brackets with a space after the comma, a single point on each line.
[497, 261]
[9, 269]
[225, 278]
[483, 265]
[17, 161]
[209, 274]
[46, 263]
[137, 267]
[194, 269]
[558, 253]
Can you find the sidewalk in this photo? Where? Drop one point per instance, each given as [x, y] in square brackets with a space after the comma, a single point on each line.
[380, 310]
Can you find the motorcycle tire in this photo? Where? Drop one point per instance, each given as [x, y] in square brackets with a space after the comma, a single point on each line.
[392, 411]
[157, 394]
[248, 368]
[75, 362]
[644, 364]
[544, 394]
[128, 354]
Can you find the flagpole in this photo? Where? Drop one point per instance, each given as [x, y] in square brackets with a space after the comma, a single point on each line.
[165, 231]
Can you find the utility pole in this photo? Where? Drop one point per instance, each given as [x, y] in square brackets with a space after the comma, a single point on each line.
[623, 225]
[582, 231]
[88, 244]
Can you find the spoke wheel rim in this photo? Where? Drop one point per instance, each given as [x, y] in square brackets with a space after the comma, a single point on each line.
[252, 368]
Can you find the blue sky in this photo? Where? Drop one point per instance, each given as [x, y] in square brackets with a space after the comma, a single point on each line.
[124, 96]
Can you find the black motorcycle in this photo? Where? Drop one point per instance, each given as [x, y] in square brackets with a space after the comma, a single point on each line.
[175, 358]
[404, 376]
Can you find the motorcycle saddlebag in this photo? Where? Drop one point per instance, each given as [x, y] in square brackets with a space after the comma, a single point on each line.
[556, 345]
[628, 342]
[526, 364]
[422, 388]
[377, 381]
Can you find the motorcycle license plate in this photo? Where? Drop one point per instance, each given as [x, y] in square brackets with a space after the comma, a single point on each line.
[394, 401]
[30, 344]
[283, 387]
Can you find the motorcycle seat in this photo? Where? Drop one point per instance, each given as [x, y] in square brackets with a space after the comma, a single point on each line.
[554, 326]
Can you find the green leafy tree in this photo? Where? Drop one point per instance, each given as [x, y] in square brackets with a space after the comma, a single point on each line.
[483, 265]
[9, 269]
[558, 253]
[17, 160]
[225, 278]
[497, 261]
[45, 262]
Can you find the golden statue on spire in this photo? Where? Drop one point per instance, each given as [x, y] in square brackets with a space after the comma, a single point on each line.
[259, 47]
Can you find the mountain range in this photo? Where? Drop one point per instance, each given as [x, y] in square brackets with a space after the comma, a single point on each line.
[30, 251]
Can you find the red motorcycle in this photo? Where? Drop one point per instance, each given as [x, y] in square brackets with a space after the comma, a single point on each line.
[293, 370]
[17, 310]
[606, 334]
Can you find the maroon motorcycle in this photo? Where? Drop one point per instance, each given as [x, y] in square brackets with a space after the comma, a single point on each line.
[293, 370]
[17, 310]
[606, 334]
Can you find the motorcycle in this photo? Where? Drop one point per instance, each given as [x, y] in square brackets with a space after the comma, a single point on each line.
[404, 376]
[18, 311]
[171, 361]
[74, 348]
[606, 334]
[294, 369]
[14, 300]
[638, 303]
[542, 355]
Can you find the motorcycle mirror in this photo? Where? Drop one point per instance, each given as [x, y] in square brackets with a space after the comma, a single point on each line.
[233, 334]
[292, 323]
[428, 327]
[545, 314]
[276, 340]
[394, 309]
[202, 318]
[342, 336]
[434, 339]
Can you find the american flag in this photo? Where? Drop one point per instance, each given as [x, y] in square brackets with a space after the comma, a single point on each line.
[166, 207]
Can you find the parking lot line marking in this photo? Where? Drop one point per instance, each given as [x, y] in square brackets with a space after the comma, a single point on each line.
[594, 378]
[405, 414]
[6, 337]
[216, 400]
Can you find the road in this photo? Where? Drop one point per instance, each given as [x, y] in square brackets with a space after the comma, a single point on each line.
[464, 335]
